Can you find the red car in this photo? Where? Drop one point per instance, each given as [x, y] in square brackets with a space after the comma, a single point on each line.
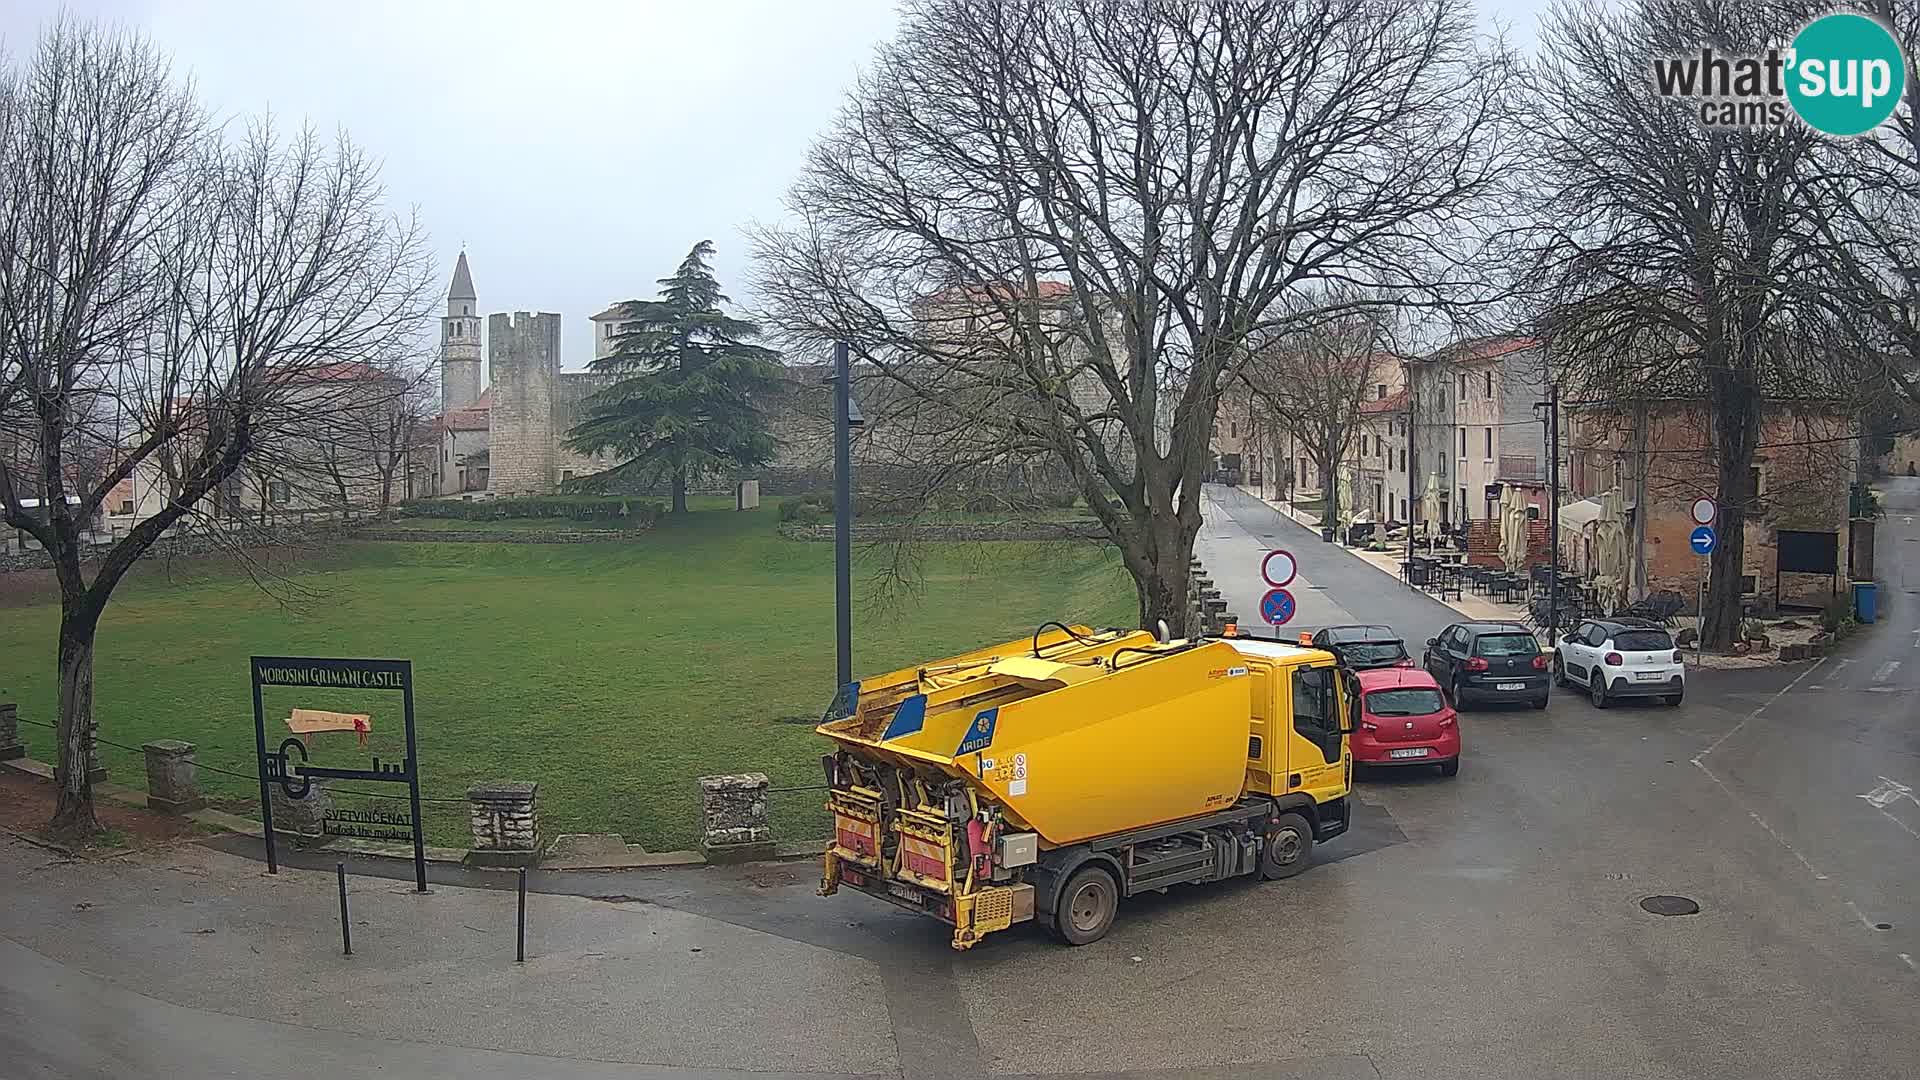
[1405, 720]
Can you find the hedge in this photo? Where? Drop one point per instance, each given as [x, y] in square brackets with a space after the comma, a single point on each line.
[615, 512]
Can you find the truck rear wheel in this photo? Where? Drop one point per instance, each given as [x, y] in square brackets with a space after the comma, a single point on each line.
[1288, 848]
[1087, 906]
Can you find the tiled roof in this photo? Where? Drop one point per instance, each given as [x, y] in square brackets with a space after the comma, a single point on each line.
[1486, 348]
[474, 417]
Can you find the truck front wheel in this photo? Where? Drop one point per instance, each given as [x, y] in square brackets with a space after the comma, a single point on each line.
[1087, 906]
[1288, 848]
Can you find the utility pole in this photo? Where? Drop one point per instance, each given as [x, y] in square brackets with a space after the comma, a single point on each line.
[1553, 512]
[1412, 459]
[842, 518]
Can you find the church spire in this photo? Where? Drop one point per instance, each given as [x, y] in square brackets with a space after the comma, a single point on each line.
[462, 282]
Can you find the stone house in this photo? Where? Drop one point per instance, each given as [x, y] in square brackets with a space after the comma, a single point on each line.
[1807, 456]
[1477, 423]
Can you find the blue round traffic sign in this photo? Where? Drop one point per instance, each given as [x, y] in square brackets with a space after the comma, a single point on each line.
[1703, 540]
[1277, 607]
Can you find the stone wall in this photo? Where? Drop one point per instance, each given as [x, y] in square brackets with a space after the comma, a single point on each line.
[187, 545]
[499, 536]
[524, 351]
[870, 532]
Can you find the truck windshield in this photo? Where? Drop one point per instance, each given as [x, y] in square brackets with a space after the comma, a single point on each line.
[1405, 701]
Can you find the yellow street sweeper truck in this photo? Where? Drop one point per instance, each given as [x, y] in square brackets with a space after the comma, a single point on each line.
[1048, 778]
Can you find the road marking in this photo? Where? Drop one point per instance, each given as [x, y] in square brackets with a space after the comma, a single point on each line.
[1909, 961]
[1700, 763]
[1885, 794]
[1855, 908]
[1886, 669]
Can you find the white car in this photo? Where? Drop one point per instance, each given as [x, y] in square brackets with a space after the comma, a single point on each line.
[1620, 659]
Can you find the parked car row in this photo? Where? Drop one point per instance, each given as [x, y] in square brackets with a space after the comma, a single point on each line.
[1409, 714]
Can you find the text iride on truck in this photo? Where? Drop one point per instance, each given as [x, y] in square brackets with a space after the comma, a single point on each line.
[1049, 778]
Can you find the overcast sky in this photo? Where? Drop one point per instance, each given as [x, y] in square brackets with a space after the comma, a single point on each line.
[577, 149]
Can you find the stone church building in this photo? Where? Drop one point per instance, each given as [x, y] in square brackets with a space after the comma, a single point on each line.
[506, 439]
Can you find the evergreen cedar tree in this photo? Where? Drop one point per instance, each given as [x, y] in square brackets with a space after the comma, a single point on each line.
[687, 382]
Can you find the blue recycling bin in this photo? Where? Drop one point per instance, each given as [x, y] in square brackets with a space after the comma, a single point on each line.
[1866, 601]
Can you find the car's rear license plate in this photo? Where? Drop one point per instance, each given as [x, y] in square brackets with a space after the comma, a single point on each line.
[1510, 686]
[1412, 751]
[1649, 676]
[911, 896]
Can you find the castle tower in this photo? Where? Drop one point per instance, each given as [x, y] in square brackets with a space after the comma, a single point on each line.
[525, 354]
[460, 342]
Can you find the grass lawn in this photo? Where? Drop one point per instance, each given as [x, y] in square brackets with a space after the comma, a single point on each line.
[612, 674]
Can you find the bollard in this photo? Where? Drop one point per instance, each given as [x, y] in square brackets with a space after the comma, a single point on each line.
[173, 778]
[520, 936]
[346, 929]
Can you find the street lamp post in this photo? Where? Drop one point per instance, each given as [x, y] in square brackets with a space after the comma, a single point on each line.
[846, 417]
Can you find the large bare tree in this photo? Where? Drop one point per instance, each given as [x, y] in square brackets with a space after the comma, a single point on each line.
[1667, 252]
[163, 293]
[1312, 382]
[1058, 224]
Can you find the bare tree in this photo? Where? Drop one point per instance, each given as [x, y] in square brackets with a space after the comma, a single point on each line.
[1666, 250]
[1313, 381]
[163, 297]
[1058, 224]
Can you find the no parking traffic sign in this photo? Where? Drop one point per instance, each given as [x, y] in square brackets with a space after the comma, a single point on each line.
[1279, 568]
[1277, 607]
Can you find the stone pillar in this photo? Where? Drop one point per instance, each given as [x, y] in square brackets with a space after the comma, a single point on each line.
[173, 777]
[506, 824]
[11, 745]
[733, 818]
[302, 819]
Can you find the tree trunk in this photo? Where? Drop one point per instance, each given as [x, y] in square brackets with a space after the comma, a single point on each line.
[1330, 486]
[1159, 569]
[73, 820]
[680, 489]
[1736, 428]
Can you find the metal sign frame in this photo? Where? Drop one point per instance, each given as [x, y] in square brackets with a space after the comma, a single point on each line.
[296, 778]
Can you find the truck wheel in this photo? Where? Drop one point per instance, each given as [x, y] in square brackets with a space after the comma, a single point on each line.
[1288, 848]
[1086, 908]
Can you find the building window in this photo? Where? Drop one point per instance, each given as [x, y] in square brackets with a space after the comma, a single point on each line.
[1489, 384]
[1403, 510]
[1753, 486]
[1379, 391]
[1489, 444]
[1463, 439]
[1464, 506]
[1463, 386]
[126, 506]
[277, 492]
[1233, 426]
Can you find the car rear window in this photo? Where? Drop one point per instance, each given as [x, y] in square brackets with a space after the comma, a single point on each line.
[1372, 653]
[1405, 701]
[1505, 645]
[1642, 641]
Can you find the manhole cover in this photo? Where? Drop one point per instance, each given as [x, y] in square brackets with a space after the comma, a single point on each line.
[1670, 905]
[1883, 926]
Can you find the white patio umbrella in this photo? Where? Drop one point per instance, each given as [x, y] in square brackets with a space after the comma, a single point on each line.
[1513, 529]
[1610, 551]
[1430, 508]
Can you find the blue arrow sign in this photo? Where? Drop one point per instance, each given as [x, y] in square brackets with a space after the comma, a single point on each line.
[1277, 607]
[1703, 540]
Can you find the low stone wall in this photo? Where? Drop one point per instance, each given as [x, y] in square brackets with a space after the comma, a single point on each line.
[189, 545]
[872, 532]
[498, 536]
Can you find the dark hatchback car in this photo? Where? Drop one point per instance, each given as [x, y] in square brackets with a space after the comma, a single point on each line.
[1364, 646]
[1489, 661]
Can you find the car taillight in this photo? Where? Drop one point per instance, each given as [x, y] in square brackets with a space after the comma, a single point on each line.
[1613, 659]
[1364, 726]
[1676, 656]
[1476, 663]
[1447, 720]
[1540, 662]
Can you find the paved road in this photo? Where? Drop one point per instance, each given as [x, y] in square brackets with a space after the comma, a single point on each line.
[1486, 926]
[1831, 767]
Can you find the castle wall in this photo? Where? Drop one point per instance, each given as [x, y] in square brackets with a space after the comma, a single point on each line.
[572, 390]
[524, 352]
